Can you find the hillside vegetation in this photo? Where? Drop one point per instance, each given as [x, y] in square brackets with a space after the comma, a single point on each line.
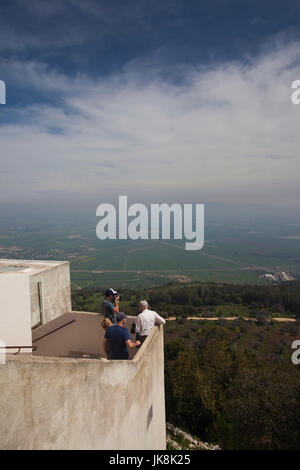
[202, 299]
[233, 383]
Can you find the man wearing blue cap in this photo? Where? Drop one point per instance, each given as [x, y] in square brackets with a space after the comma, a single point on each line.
[117, 339]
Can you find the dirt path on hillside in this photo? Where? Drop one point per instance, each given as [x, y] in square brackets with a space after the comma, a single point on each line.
[231, 319]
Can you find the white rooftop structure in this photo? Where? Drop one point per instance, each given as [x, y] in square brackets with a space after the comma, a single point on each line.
[31, 293]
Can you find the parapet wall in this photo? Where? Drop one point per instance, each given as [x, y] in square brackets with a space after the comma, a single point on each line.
[63, 403]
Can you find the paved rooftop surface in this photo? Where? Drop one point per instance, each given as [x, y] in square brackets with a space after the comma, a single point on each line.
[9, 266]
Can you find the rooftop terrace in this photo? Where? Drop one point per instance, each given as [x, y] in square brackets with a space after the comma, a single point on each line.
[73, 334]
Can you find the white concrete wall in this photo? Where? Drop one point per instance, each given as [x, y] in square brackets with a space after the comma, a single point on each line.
[56, 293]
[15, 322]
[58, 403]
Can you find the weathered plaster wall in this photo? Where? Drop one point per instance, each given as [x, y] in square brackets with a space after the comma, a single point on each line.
[56, 292]
[58, 403]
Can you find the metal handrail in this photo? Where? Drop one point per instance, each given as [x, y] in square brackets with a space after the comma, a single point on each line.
[19, 348]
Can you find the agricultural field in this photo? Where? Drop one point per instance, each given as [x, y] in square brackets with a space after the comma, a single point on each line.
[236, 253]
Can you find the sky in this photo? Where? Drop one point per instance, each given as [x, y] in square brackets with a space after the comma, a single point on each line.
[183, 101]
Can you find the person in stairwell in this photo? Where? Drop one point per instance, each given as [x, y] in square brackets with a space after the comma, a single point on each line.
[117, 339]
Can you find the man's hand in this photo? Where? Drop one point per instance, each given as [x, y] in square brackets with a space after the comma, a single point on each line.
[116, 299]
[131, 344]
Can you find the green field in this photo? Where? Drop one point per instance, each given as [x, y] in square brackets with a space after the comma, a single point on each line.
[234, 253]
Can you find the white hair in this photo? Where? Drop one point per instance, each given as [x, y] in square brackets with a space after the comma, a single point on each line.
[144, 304]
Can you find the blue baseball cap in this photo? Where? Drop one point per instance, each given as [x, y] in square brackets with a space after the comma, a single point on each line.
[120, 316]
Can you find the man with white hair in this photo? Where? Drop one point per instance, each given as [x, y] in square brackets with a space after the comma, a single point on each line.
[146, 320]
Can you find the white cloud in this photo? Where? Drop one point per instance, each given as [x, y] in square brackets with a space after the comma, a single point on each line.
[227, 132]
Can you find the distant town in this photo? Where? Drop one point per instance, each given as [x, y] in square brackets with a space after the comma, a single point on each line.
[278, 277]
